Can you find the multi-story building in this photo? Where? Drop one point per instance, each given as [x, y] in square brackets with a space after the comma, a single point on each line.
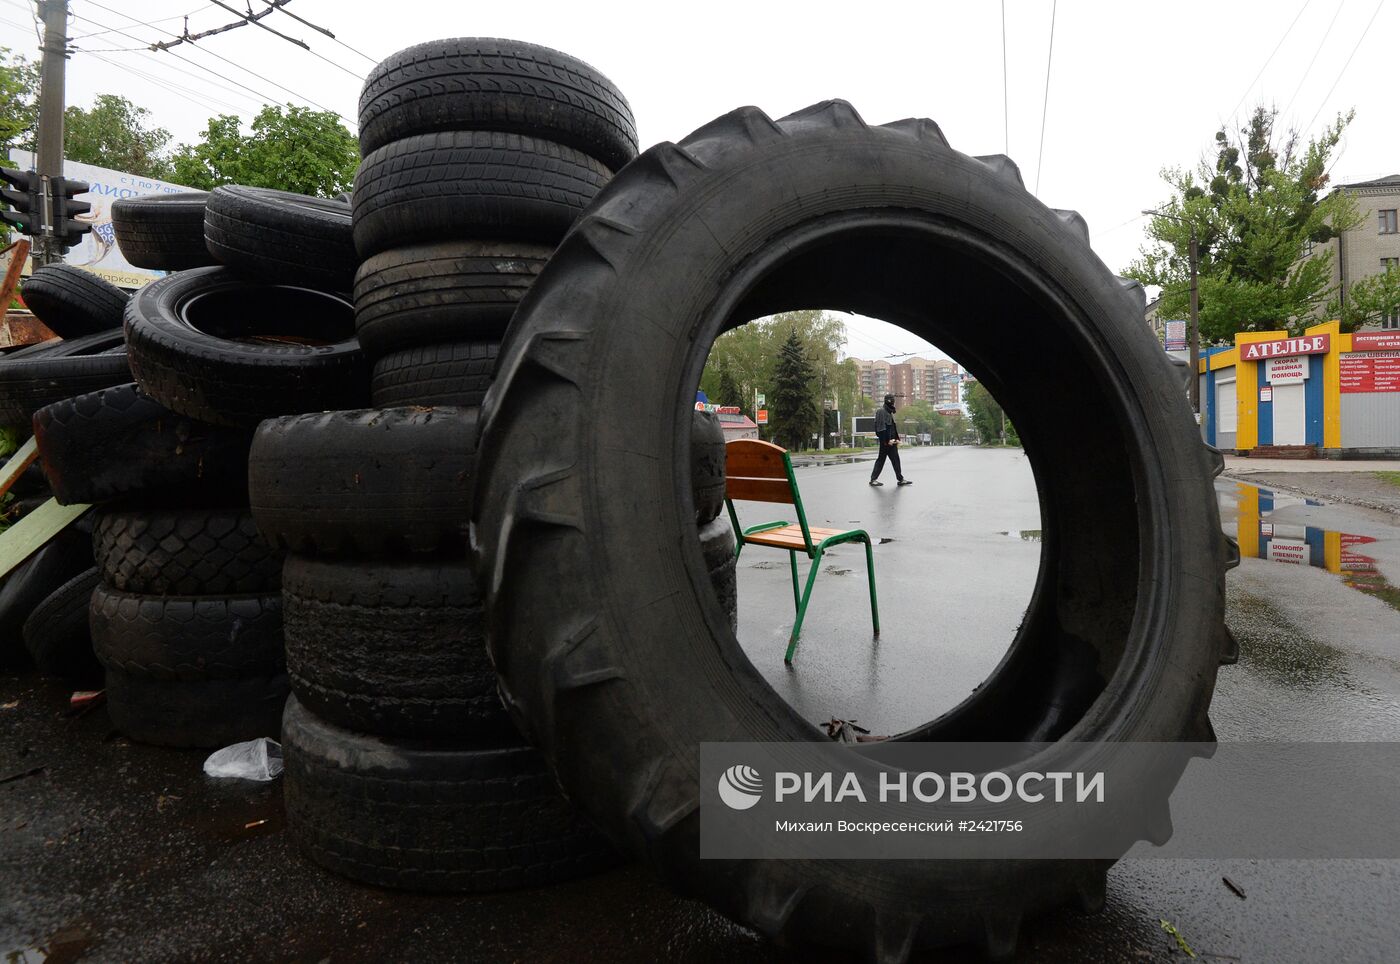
[937, 381]
[1373, 245]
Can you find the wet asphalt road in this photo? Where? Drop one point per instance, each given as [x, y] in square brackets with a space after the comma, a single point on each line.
[115, 851]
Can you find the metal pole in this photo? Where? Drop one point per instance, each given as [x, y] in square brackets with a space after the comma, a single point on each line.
[1195, 332]
[49, 160]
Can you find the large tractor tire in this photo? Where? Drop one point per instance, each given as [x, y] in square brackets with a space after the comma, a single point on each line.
[619, 672]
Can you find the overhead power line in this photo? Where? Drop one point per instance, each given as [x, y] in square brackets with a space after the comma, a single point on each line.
[1320, 44]
[1045, 107]
[1270, 59]
[1360, 40]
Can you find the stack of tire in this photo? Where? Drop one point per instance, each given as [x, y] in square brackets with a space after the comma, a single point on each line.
[44, 600]
[402, 767]
[186, 616]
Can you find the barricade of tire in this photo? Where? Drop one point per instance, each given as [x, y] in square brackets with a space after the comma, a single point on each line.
[1125, 629]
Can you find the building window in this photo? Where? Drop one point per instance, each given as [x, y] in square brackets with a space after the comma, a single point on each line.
[1307, 248]
[1388, 263]
[1387, 219]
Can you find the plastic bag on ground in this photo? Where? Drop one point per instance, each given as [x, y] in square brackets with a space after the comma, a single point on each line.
[259, 759]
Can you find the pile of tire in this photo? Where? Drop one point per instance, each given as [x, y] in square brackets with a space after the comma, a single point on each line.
[44, 600]
[402, 767]
[184, 604]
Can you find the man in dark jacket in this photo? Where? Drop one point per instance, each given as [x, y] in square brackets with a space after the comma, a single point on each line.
[888, 435]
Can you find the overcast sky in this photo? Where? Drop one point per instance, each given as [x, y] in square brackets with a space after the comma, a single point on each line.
[1133, 86]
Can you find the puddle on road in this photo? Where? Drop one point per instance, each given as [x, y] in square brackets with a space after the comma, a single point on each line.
[1342, 553]
[1025, 535]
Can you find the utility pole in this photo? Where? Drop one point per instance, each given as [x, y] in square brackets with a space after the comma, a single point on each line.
[49, 162]
[1195, 335]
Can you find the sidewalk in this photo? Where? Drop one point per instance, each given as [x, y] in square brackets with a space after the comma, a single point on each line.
[1355, 483]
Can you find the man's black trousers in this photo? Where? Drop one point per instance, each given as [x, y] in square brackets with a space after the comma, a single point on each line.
[892, 453]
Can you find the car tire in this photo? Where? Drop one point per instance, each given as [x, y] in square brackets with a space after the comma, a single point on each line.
[1124, 632]
[471, 184]
[281, 237]
[56, 632]
[162, 231]
[458, 373]
[396, 648]
[430, 816]
[72, 302]
[119, 441]
[446, 292]
[73, 366]
[208, 713]
[707, 454]
[65, 556]
[184, 552]
[198, 349]
[364, 482]
[496, 85]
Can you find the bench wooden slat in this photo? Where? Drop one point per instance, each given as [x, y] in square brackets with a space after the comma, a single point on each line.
[790, 537]
[752, 459]
[759, 490]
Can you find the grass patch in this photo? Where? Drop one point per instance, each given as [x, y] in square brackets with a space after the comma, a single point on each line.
[1393, 478]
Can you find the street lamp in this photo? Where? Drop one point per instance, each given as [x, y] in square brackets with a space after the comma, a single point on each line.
[1194, 338]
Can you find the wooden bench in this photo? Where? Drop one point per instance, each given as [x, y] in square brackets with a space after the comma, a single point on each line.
[762, 472]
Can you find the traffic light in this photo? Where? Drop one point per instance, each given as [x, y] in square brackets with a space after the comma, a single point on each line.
[26, 201]
[66, 229]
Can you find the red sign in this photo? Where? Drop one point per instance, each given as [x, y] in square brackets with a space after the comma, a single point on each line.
[1306, 345]
[1376, 341]
[728, 410]
[762, 416]
[1375, 372]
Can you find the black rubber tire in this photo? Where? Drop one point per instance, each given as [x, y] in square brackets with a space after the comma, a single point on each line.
[188, 637]
[366, 482]
[70, 367]
[707, 466]
[487, 84]
[205, 713]
[184, 552]
[1124, 631]
[445, 292]
[162, 231]
[56, 632]
[67, 555]
[210, 345]
[430, 816]
[452, 374]
[119, 441]
[72, 302]
[281, 237]
[717, 545]
[471, 184]
[396, 648]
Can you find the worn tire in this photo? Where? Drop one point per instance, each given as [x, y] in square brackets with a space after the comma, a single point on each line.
[707, 466]
[188, 637]
[396, 648]
[72, 302]
[281, 237]
[119, 441]
[471, 184]
[73, 366]
[163, 231]
[485, 84]
[211, 345]
[1124, 631]
[184, 552]
[429, 816]
[65, 556]
[205, 713]
[56, 632]
[453, 374]
[367, 481]
[445, 292]
[717, 545]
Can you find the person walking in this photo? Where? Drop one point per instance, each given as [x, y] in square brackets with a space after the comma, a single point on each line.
[888, 435]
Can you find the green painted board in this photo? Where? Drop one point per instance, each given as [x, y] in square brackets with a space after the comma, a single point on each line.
[23, 539]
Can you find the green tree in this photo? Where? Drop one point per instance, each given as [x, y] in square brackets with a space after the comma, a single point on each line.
[116, 133]
[1372, 299]
[1254, 209]
[988, 419]
[19, 102]
[291, 149]
[729, 391]
[796, 415]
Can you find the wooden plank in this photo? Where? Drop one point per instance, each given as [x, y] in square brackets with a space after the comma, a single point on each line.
[22, 459]
[21, 328]
[25, 537]
[750, 458]
[16, 254]
[790, 537]
[759, 490]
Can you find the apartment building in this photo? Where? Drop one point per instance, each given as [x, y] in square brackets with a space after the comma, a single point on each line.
[1373, 245]
[937, 381]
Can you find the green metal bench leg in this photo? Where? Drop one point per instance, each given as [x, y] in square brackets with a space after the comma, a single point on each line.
[802, 606]
[796, 592]
[870, 571]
